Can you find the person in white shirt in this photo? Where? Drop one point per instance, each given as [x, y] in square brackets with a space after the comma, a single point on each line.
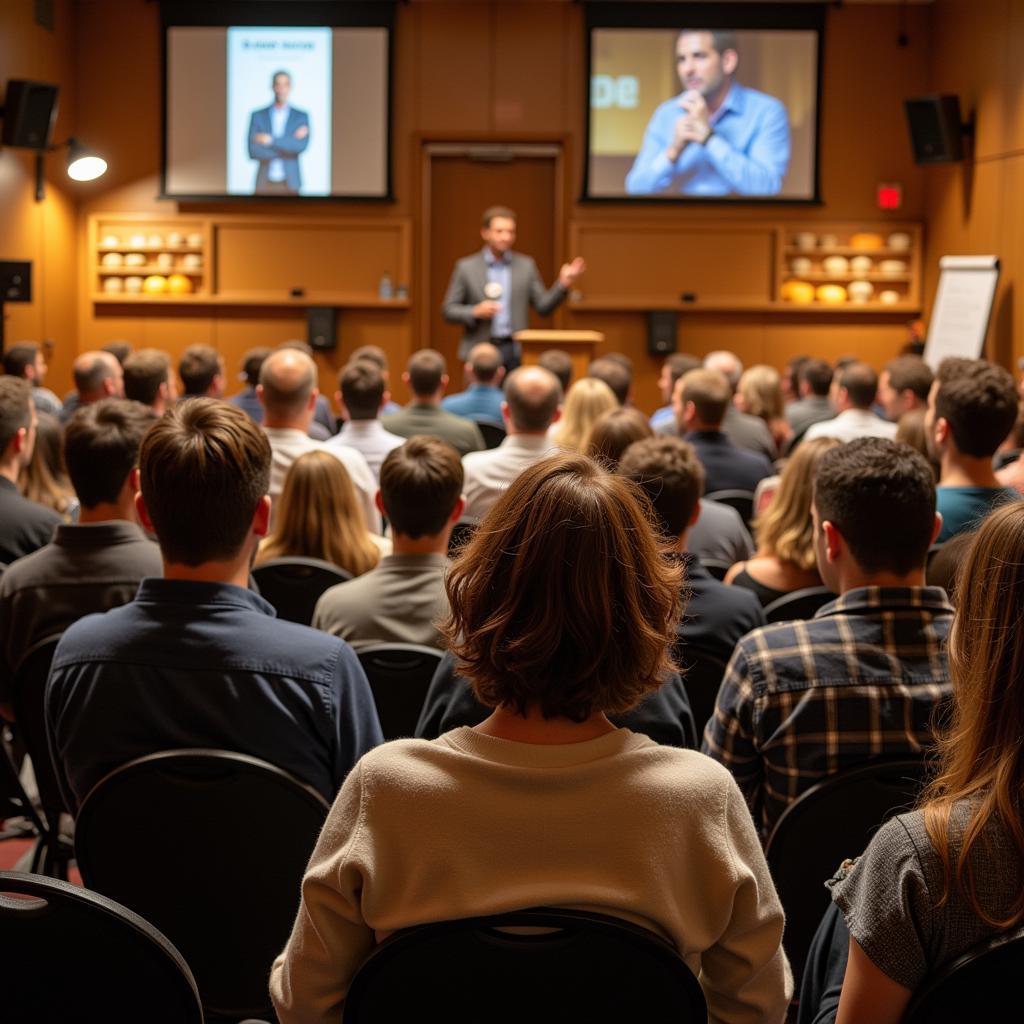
[853, 394]
[288, 392]
[362, 395]
[533, 396]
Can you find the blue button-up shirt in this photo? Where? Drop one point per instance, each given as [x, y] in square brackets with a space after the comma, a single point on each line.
[498, 271]
[747, 153]
[191, 664]
[477, 402]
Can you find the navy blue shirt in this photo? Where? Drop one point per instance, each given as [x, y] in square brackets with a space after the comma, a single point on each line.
[727, 467]
[190, 664]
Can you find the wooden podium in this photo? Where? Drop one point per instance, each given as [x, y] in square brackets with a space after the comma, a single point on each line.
[579, 344]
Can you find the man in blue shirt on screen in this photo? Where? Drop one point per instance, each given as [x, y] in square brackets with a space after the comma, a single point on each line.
[277, 135]
[717, 137]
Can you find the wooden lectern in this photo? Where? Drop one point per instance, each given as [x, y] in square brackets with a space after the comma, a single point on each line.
[579, 344]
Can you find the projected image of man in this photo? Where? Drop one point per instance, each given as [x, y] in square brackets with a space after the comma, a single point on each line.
[277, 135]
[716, 137]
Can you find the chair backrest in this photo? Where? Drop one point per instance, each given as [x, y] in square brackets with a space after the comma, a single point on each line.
[554, 966]
[702, 677]
[70, 954]
[494, 433]
[833, 820]
[979, 985]
[399, 676]
[461, 532]
[800, 604]
[718, 567]
[210, 846]
[742, 501]
[294, 585]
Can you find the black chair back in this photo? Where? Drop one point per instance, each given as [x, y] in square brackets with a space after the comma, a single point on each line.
[702, 677]
[462, 531]
[553, 967]
[716, 566]
[833, 820]
[294, 585]
[494, 433]
[742, 501]
[210, 846]
[399, 676]
[800, 604]
[70, 954]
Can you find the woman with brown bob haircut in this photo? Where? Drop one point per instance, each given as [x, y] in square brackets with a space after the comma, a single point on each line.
[562, 608]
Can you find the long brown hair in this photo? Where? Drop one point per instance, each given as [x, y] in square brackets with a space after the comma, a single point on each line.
[319, 516]
[981, 753]
[45, 479]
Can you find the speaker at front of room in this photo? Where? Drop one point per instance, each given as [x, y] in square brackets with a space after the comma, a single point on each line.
[322, 328]
[661, 332]
[29, 110]
[936, 131]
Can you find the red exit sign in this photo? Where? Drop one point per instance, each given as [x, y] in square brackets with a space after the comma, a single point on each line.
[890, 195]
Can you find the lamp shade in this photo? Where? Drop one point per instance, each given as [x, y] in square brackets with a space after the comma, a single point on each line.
[83, 163]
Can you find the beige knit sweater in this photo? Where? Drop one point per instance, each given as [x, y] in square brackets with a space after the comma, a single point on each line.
[469, 824]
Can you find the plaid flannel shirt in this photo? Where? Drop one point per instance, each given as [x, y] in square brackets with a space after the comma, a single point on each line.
[802, 700]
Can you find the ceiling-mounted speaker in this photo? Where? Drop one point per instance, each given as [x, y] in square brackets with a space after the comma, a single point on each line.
[936, 131]
[29, 110]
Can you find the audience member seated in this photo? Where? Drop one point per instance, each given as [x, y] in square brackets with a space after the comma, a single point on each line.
[319, 516]
[532, 400]
[701, 400]
[427, 379]
[323, 425]
[403, 598]
[546, 801]
[790, 382]
[911, 430]
[362, 397]
[247, 400]
[587, 401]
[903, 386]
[950, 874]
[197, 659]
[668, 471]
[97, 563]
[559, 362]
[813, 405]
[745, 431]
[617, 374]
[760, 394]
[972, 406]
[672, 369]
[613, 433]
[148, 379]
[120, 350]
[24, 525]
[201, 370]
[27, 360]
[376, 355]
[97, 375]
[785, 559]
[483, 398]
[853, 394]
[720, 534]
[288, 392]
[45, 479]
[805, 699]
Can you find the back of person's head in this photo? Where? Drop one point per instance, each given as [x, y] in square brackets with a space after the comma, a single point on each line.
[668, 471]
[613, 433]
[727, 364]
[251, 363]
[791, 377]
[18, 358]
[533, 395]
[199, 366]
[44, 479]
[287, 380]
[561, 600]
[420, 483]
[910, 373]
[709, 393]
[912, 429]
[361, 384]
[120, 350]
[485, 361]
[204, 467]
[760, 390]
[587, 400]
[860, 382]
[372, 353]
[426, 370]
[559, 363]
[978, 400]
[92, 370]
[818, 375]
[880, 496]
[15, 408]
[615, 374]
[784, 530]
[144, 372]
[678, 364]
[101, 446]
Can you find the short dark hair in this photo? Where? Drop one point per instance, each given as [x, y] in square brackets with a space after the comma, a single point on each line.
[199, 365]
[880, 495]
[533, 395]
[251, 363]
[860, 382]
[420, 482]
[613, 432]
[120, 350]
[144, 372]
[668, 471]
[486, 361]
[101, 447]
[818, 375]
[426, 368]
[710, 393]
[361, 384]
[374, 353]
[19, 357]
[203, 467]
[792, 372]
[274, 76]
[979, 402]
[910, 373]
[496, 211]
[559, 362]
[681, 363]
[15, 408]
[721, 39]
[615, 374]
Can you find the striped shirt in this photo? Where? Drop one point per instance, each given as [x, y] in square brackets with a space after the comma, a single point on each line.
[803, 700]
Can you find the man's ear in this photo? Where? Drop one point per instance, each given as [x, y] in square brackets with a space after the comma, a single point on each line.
[142, 512]
[313, 396]
[557, 416]
[506, 417]
[19, 440]
[835, 544]
[444, 380]
[385, 398]
[340, 403]
[937, 528]
[259, 394]
[460, 507]
[730, 62]
[694, 516]
[261, 517]
[378, 500]
[941, 431]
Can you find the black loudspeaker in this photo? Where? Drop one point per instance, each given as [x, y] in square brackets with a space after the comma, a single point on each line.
[322, 327]
[936, 131]
[661, 332]
[30, 108]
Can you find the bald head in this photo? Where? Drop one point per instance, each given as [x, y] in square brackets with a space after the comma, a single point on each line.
[287, 389]
[727, 364]
[98, 375]
[532, 397]
[485, 364]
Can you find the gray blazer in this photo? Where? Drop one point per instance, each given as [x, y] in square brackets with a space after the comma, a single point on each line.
[466, 289]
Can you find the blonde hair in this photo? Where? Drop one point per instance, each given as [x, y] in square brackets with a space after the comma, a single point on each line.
[784, 530]
[319, 516]
[588, 399]
[760, 388]
[44, 479]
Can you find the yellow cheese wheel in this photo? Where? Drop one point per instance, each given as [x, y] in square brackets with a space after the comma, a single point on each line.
[155, 283]
[800, 292]
[179, 284]
[831, 294]
[867, 240]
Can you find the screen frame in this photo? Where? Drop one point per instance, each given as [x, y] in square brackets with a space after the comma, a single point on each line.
[281, 13]
[605, 14]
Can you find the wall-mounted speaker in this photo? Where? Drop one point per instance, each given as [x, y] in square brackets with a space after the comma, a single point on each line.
[936, 131]
[322, 327]
[661, 332]
[29, 110]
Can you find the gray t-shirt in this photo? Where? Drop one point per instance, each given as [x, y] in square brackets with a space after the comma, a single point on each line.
[890, 896]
